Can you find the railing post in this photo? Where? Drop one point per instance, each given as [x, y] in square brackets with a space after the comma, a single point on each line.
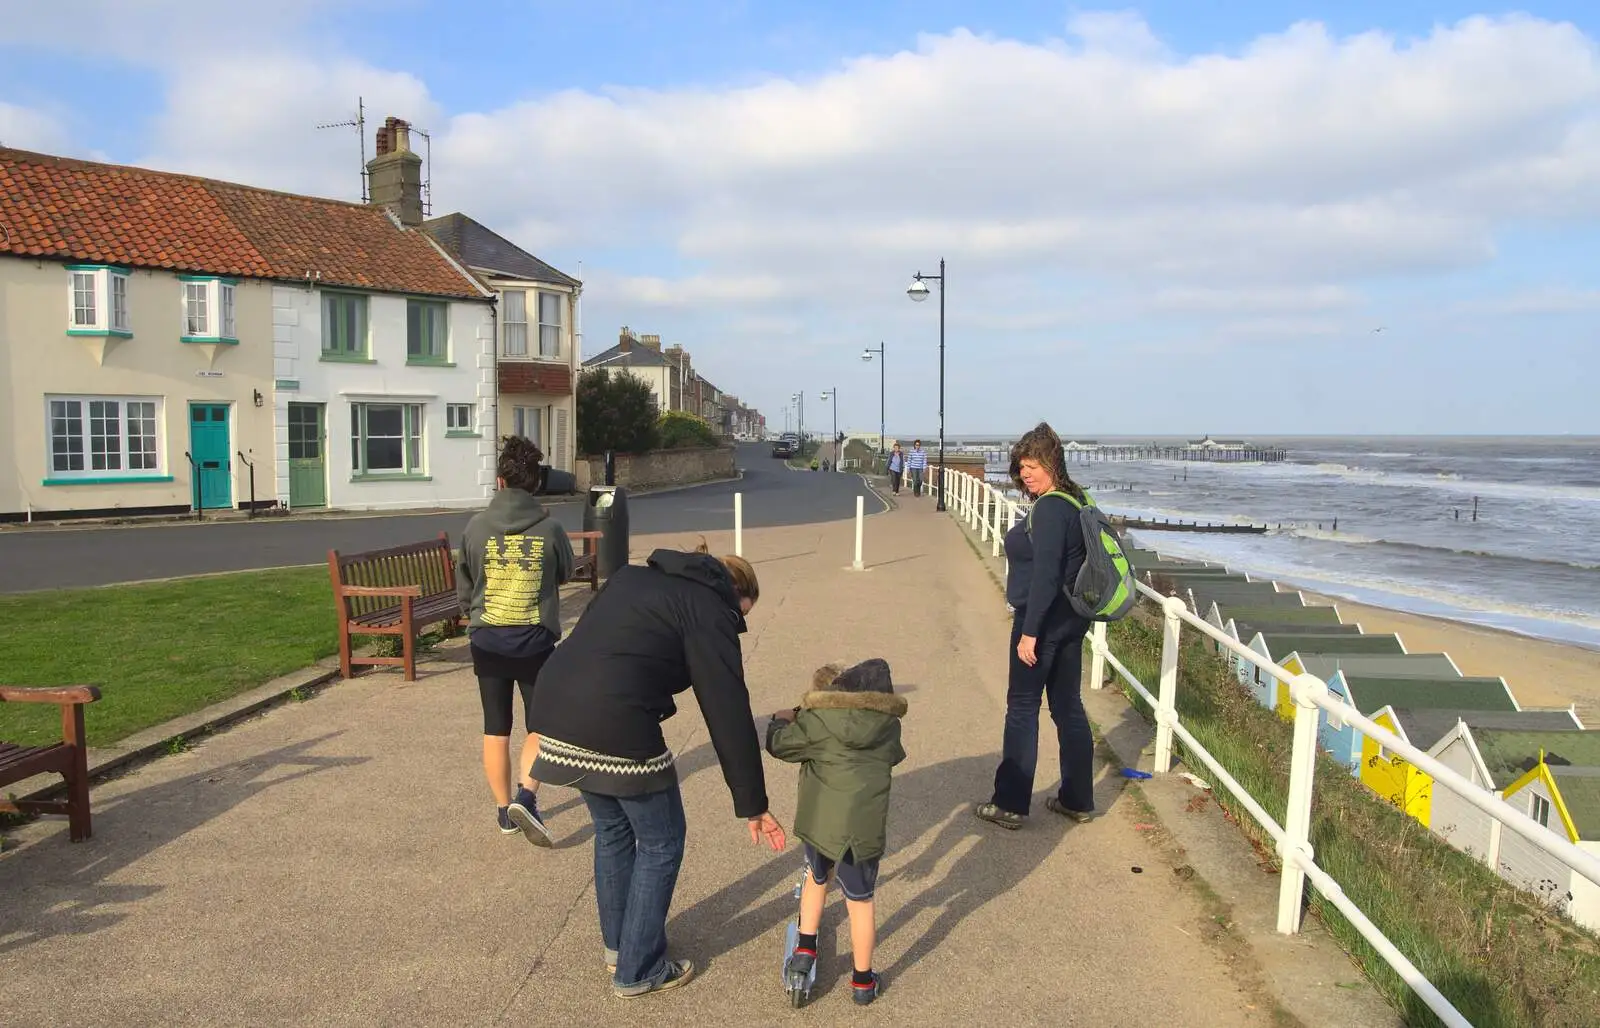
[1167, 696]
[983, 506]
[738, 524]
[1097, 655]
[999, 502]
[1295, 849]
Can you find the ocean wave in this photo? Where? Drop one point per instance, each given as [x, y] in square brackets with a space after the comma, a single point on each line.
[1347, 538]
[1451, 482]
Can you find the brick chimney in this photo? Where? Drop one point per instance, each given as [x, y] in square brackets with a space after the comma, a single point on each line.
[394, 176]
[653, 342]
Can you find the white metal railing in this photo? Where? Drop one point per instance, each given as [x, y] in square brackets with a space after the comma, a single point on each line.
[969, 499]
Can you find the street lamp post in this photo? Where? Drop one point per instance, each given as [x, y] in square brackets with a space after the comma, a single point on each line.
[833, 394]
[866, 355]
[919, 292]
[800, 419]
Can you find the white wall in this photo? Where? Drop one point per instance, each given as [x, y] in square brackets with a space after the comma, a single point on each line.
[460, 471]
[1452, 818]
[1585, 907]
[1527, 867]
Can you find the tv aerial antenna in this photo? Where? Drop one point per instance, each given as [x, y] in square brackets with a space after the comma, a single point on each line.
[359, 123]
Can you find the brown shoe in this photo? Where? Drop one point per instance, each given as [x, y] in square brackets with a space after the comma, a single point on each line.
[1081, 817]
[997, 816]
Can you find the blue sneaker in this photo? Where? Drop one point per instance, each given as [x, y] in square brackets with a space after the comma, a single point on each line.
[524, 813]
[506, 827]
[865, 994]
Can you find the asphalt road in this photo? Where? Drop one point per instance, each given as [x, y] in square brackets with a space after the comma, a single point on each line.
[60, 558]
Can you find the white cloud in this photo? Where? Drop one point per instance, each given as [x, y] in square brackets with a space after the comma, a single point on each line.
[1078, 185]
[1546, 300]
[28, 129]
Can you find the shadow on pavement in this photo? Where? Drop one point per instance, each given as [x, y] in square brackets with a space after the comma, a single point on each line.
[54, 887]
[967, 864]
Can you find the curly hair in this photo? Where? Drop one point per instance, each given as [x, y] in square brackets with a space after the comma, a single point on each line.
[1040, 443]
[519, 463]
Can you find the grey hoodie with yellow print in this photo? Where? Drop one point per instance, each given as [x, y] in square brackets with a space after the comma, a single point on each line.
[514, 557]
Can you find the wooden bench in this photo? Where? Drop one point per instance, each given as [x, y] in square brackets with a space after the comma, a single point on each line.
[586, 565]
[68, 758]
[398, 591]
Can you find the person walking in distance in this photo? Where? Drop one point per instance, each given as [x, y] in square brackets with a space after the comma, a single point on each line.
[514, 558]
[917, 466]
[1045, 552]
[846, 736]
[897, 467]
[653, 632]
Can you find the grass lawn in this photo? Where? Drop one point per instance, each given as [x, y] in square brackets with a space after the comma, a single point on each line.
[159, 650]
[1495, 952]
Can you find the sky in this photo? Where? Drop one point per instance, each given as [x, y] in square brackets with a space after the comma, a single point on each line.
[1175, 218]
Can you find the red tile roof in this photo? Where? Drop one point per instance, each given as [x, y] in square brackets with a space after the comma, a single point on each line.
[59, 208]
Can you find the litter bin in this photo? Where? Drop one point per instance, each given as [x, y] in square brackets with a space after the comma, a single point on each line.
[606, 512]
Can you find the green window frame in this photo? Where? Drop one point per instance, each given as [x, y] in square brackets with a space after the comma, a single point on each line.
[386, 439]
[427, 332]
[344, 325]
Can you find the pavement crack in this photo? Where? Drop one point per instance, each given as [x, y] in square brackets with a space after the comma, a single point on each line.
[533, 968]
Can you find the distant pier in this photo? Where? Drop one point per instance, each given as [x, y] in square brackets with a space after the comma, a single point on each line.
[1206, 450]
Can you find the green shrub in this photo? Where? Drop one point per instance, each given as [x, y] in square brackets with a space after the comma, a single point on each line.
[680, 430]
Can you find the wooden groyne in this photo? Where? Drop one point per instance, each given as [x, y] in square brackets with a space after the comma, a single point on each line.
[1162, 525]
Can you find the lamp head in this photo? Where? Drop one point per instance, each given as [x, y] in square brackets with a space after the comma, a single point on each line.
[918, 290]
[866, 355]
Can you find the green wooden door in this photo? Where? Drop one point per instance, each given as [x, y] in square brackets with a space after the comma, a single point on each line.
[308, 474]
[208, 445]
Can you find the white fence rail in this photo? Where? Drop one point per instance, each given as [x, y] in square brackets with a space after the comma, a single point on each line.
[990, 513]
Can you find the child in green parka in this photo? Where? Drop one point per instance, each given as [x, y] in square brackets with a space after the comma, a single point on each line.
[846, 736]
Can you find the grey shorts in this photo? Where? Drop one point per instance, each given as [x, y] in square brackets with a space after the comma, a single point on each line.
[859, 880]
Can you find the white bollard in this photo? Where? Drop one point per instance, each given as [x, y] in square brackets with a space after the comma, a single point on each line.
[738, 524]
[861, 518]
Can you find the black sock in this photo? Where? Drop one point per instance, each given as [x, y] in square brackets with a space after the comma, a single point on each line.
[861, 978]
[807, 942]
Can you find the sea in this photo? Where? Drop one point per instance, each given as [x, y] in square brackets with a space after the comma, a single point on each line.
[1502, 532]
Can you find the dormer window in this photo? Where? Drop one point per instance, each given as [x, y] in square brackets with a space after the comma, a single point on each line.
[97, 301]
[208, 310]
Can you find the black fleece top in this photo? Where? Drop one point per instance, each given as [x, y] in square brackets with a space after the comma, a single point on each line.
[651, 633]
[1042, 558]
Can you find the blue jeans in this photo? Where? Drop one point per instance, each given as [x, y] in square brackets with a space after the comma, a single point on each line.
[638, 848]
[1057, 678]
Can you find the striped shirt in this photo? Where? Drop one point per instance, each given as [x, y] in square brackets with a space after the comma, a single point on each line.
[917, 460]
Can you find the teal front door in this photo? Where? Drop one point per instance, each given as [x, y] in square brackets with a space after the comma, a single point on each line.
[208, 445]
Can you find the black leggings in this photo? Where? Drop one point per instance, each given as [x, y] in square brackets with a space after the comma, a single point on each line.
[496, 692]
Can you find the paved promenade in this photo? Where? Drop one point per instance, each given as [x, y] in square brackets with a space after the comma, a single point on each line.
[335, 862]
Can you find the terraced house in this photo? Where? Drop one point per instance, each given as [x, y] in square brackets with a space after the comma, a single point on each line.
[174, 342]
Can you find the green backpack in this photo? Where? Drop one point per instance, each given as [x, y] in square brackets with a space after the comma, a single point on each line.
[1104, 589]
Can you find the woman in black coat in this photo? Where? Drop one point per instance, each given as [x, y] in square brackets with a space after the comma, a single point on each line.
[653, 632]
[1044, 552]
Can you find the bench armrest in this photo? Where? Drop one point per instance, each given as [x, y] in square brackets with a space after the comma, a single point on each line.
[381, 590]
[61, 695]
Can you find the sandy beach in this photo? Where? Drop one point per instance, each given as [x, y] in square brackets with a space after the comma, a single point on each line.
[1540, 673]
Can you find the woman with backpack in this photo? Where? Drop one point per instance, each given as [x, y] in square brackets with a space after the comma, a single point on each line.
[1045, 552]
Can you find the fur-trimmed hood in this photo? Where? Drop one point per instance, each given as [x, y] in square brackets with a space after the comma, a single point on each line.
[828, 699]
[866, 686]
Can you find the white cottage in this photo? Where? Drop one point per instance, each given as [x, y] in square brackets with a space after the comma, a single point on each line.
[383, 356]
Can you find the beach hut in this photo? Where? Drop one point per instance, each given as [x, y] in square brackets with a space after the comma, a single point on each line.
[1554, 778]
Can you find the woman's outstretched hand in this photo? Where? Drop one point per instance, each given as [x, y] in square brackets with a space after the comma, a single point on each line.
[765, 829]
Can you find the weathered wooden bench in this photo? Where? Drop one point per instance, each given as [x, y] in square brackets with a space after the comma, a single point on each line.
[398, 591]
[68, 758]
